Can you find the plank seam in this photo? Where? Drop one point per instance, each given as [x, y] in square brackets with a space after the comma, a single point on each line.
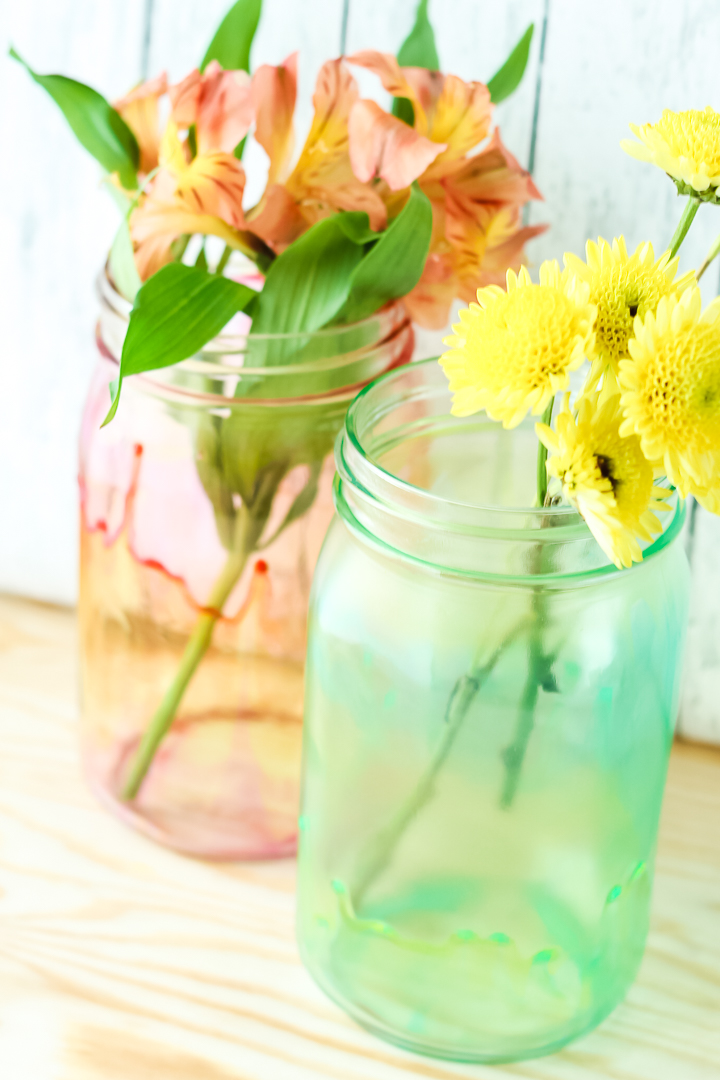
[146, 39]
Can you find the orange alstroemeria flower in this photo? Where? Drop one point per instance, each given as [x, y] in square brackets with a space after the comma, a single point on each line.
[323, 180]
[274, 92]
[203, 195]
[219, 105]
[356, 157]
[139, 110]
[385, 147]
[476, 199]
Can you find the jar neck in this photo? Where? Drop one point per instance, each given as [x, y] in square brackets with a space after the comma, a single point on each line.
[456, 494]
[330, 363]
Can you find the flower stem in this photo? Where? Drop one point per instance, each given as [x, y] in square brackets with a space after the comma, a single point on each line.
[538, 672]
[712, 254]
[248, 532]
[223, 260]
[381, 848]
[688, 215]
[542, 477]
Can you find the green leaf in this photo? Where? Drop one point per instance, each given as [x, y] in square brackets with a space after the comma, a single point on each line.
[97, 126]
[394, 265]
[177, 311]
[356, 226]
[417, 50]
[305, 288]
[122, 263]
[402, 108]
[234, 36]
[506, 80]
[201, 261]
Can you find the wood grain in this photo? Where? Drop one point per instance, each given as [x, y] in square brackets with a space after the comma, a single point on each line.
[122, 961]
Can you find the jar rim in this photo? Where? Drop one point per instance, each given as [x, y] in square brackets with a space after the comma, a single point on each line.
[455, 536]
[375, 328]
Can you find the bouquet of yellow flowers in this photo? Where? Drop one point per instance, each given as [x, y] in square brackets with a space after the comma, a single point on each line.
[647, 417]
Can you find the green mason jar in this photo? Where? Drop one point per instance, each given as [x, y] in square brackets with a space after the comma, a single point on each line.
[489, 712]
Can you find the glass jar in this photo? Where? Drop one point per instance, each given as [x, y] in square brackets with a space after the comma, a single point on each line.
[203, 507]
[488, 716]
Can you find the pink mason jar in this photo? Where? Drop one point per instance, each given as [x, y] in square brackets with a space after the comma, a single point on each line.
[203, 506]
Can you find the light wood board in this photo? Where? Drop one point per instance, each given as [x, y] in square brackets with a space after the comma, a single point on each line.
[122, 961]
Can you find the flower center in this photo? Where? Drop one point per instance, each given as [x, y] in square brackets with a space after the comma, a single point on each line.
[683, 389]
[604, 465]
[694, 134]
[529, 336]
[621, 293]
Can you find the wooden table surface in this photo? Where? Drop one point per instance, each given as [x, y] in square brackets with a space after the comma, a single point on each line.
[122, 961]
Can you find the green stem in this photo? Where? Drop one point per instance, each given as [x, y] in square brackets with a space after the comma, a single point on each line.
[383, 845]
[711, 255]
[249, 529]
[542, 476]
[688, 215]
[539, 676]
[538, 672]
[224, 259]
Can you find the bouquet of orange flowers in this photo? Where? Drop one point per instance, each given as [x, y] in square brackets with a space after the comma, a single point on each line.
[378, 205]
[422, 202]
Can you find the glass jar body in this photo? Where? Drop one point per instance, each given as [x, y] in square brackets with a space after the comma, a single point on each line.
[202, 514]
[484, 767]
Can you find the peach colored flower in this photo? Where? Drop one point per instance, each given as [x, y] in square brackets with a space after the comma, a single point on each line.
[202, 195]
[274, 91]
[218, 103]
[323, 180]
[476, 198]
[139, 110]
[382, 145]
[356, 157]
[447, 110]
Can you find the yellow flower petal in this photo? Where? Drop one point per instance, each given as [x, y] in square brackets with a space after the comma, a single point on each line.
[623, 287]
[513, 351]
[671, 391]
[686, 145]
[606, 476]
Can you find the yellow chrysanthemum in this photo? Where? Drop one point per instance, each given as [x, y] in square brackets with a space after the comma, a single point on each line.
[686, 146]
[622, 286]
[605, 475]
[671, 391]
[512, 351]
[708, 495]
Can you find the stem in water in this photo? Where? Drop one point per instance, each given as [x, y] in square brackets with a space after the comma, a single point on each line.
[383, 845]
[248, 532]
[537, 677]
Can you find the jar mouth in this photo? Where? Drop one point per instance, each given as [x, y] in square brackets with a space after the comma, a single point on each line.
[458, 492]
[332, 359]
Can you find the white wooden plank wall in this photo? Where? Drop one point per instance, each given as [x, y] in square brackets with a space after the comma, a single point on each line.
[55, 224]
[606, 63]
